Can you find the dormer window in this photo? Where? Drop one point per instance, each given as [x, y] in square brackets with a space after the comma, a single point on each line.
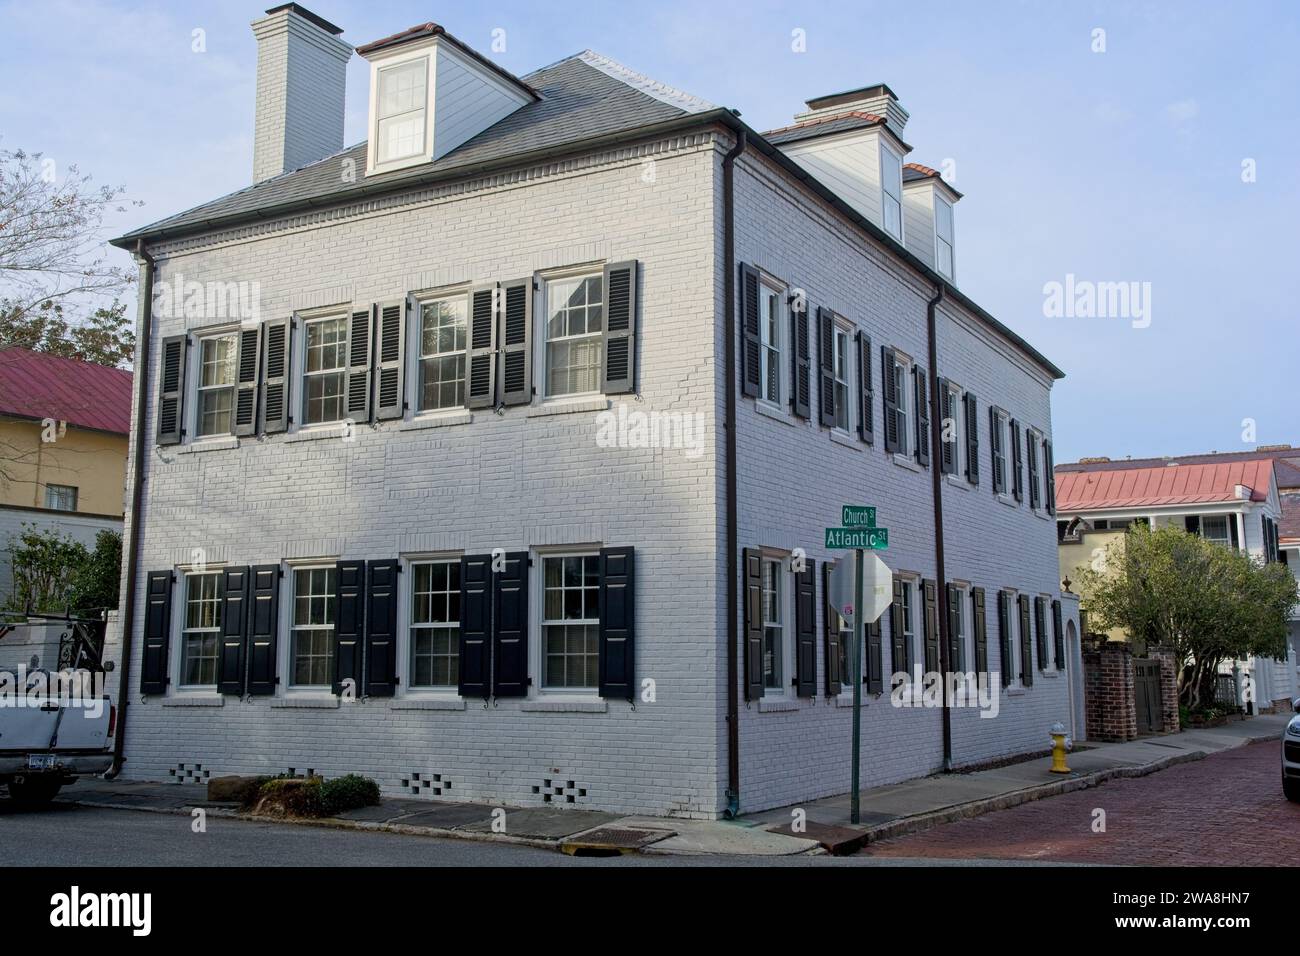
[400, 110]
[891, 191]
[943, 236]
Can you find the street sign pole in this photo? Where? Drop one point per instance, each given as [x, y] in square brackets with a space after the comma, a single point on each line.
[859, 627]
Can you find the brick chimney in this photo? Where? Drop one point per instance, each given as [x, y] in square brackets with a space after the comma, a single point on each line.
[301, 73]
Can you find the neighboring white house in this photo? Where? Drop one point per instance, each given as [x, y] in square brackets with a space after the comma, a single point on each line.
[518, 480]
[1231, 498]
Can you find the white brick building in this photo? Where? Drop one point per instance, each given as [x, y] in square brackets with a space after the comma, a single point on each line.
[517, 322]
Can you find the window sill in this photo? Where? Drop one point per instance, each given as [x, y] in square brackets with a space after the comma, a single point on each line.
[194, 700]
[777, 705]
[303, 702]
[335, 430]
[848, 441]
[1015, 691]
[908, 462]
[1009, 501]
[846, 700]
[224, 443]
[1051, 675]
[959, 481]
[773, 412]
[568, 406]
[565, 706]
[1045, 515]
[437, 420]
[427, 703]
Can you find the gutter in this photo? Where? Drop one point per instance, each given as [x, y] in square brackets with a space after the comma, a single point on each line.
[936, 475]
[127, 617]
[730, 333]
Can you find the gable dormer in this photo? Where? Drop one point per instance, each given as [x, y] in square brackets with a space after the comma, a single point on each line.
[929, 219]
[429, 93]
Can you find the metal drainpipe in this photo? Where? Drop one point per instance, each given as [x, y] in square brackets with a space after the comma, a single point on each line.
[730, 332]
[127, 616]
[936, 473]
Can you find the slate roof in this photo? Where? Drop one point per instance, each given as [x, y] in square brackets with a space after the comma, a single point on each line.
[1163, 485]
[37, 385]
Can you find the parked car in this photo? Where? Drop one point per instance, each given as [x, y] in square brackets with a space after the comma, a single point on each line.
[1291, 756]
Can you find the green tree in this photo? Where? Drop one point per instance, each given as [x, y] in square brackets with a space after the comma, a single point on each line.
[54, 574]
[96, 582]
[1207, 602]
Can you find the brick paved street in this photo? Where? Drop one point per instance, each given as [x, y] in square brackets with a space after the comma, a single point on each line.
[1225, 810]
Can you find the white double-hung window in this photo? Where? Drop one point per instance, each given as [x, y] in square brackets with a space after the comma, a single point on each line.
[575, 320]
[324, 377]
[770, 339]
[903, 389]
[843, 376]
[201, 629]
[442, 353]
[773, 600]
[570, 621]
[943, 237]
[400, 109]
[312, 627]
[891, 191]
[435, 624]
[216, 389]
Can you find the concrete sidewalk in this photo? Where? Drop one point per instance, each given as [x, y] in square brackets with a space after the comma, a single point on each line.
[886, 811]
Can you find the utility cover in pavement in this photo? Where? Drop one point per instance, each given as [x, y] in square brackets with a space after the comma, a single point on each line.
[608, 840]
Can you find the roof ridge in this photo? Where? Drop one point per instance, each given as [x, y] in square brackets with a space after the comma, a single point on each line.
[687, 102]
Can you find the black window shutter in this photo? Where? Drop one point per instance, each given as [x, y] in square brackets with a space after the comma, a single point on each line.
[979, 628]
[1031, 446]
[830, 635]
[889, 388]
[1058, 635]
[972, 439]
[1017, 463]
[171, 390]
[515, 324]
[1049, 476]
[996, 452]
[750, 367]
[357, 401]
[900, 650]
[620, 327]
[510, 627]
[381, 627]
[947, 427]
[866, 396]
[276, 338]
[617, 623]
[800, 358]
[390, 360]
[263, 628]
[480, 387]
[232, 652]
[475, 626]
[922, 415]
[157, 631]
[753, 571]
[1004, 638]
[1026, 645]
[931, 593]
[875, 672]
[955, 649]
[1040, 630]
[349, 624]
[805, 630]
[826, 365]
[1192, 523]
[244, 420]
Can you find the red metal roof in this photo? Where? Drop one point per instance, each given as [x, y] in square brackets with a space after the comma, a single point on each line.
[1163, 485]
[38, 385]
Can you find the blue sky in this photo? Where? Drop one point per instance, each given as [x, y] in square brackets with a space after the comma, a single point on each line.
[1117, 166]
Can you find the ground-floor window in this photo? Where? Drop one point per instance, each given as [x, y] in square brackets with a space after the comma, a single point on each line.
[570, 620]
[201, 634]
[312, 635]
[435, 624]
[773, 630]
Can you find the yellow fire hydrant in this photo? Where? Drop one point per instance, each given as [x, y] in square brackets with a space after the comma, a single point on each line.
[1060, 744]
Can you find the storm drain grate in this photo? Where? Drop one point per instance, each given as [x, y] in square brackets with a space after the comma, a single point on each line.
[610, 841]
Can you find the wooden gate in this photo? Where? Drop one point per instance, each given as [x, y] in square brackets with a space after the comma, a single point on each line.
[1146, 691]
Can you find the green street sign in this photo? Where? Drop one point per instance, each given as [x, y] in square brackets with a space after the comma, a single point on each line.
[865, 539]
[858, 516]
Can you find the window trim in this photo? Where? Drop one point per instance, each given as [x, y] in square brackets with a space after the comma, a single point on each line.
[950, 241]
[405, 617]
[373, 163]
[785, 582]
[965, 622]
[913, 635]
[76, 495]
[1003, 419]
[780, 293]
[194, 375]
[284, 633]
[960, 450]
[905, 388]
[414, 357]
[541, 330]
[297, 411]
[177, 665]
[841, 326]
[886, 195]
[1017, 681]
[537, 689]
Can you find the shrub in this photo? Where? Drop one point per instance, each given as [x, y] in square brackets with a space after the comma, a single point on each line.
[348, 792]
[290, 797]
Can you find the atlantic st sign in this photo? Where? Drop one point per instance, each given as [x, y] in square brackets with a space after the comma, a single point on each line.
[858, 539]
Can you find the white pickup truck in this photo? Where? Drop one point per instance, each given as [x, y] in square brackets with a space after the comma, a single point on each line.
[55, 725]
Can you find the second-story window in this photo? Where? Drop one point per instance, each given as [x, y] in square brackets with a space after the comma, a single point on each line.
[442, 354]
[575, 313]
[891, 191]
[217, 357]
[843, 350]
[400, 109]
[770, 339]
[999, 441]
[324, 375]
[903, 389]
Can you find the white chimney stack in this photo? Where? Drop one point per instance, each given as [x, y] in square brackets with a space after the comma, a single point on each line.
[301, 79]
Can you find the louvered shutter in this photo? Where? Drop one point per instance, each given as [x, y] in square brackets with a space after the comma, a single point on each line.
[1017, 463]
[244, 420]
[996, 453]
[947, 427]
[931, 617]
[510, 627]
[390, 361]
[900, 651]
[620, 327]
[1049, 475]
[800, 358]
[515, 300]
[979, 628]
[171, 390]
[1026, 645]
[805, 630]
[1031, 447]
[866, 396]
[830, 635]
[826, 366]
[381, 627]
[1040, 630]
[357, 399]
[263, 628]
[157, 633]
[875, 672]
[617, 603]
[955, 655]
[475, 626]
[480, 387]
[349, 624]
[972, 439]
[1004, 638]
[753, 571]
[231, 653]
[1058, 636]
[276, 338]
[889, 389]
[922, 390]
[750, 344]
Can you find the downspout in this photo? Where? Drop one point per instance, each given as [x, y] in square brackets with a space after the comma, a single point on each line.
[936, 473]
[730, 331]
[127, 616]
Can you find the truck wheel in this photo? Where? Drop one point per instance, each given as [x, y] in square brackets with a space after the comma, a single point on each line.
[34, 791]
[1292, 789]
